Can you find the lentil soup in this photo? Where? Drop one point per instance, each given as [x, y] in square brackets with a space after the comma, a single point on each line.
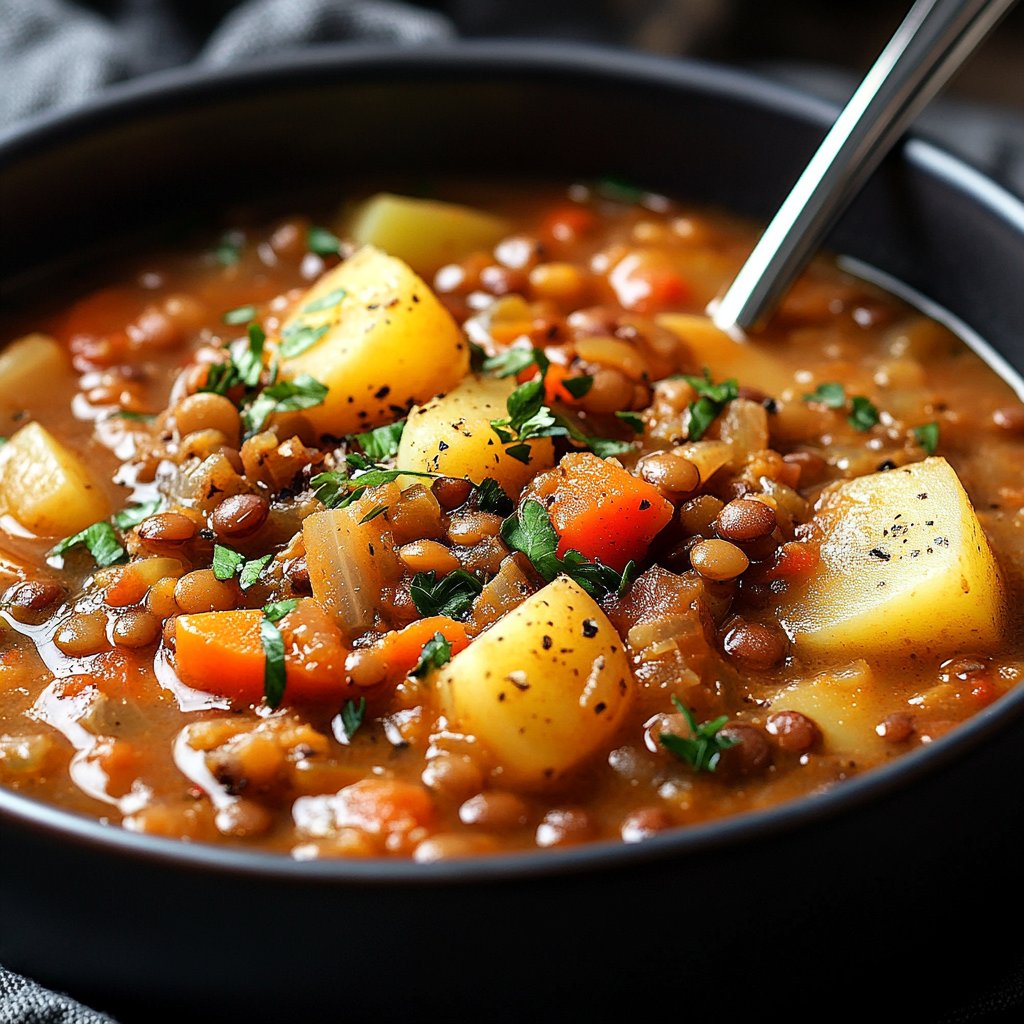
[431, 530]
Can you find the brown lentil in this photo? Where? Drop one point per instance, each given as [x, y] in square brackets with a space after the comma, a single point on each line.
[456, 776]
[428, 556]
[756, 645]
[135, 627]
[744, 520]
[167, 528]
[207, 411]
[201, 591]
[82, 634]
[470, 528]
[643, 823]
[27, 600]
[718, 560]
[240, 515]
[673, 475]
[565, 826]
[494, 809]
[896, 728]
[451, 492]
[793, 732]
[750, 754]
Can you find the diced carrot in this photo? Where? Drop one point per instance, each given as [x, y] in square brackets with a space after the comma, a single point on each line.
[566, 223]
[403, 647]
[119, 760]
[222, 652]
[104, 312]
[554, 389]
[604, 512]
[385, 807]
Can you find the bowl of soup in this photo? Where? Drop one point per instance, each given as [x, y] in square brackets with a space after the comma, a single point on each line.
[411, 596]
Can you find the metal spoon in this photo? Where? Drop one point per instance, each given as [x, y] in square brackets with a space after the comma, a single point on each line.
[935, 38]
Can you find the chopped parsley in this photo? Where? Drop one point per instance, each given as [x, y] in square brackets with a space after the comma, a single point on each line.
[229, 249]
[830, 393]
[451, 595]
[352, 714]
[532, 533]
[927, 436]
[325, 302]
[863, 413]
[323, 242]
[382, 442]
[437, 651]
[283, 396]
[298, 337]
[227, 563]
[620, 190]
[712, 399]
[337, 489]
[702, 750]
[135, 514]
[100, 540]
[529, 418]
[514, 360]
[373, 513]
[239, 315]
[491, 498]
[577, 386]
[274, 675]
[244, 365]
[633, 420]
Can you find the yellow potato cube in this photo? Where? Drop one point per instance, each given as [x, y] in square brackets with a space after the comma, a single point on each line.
[425, 233]
[543, 688]
[904, 566]
[46, 487]
[377, 337]
[452, 435]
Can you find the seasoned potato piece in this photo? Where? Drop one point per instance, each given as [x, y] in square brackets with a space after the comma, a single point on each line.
[748, 361]
[543, 688]
[46, 487]
[377, 337]
[452, 435]
[424, 232]
[904, 565]
[28, 368]
[844, 703]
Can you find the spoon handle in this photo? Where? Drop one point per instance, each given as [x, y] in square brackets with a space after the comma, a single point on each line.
[935, 38]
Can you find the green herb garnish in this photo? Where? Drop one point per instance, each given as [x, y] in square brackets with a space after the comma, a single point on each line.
[577, 386]
[863, 413]
[100, 540]
[437, 651]
[382, 442]
[229, 249]
[274, 675]
[532, 533]
[712, 399]
[703, 749]
[491, 498]
[452, 595]
[352, 714]
[632, 420]
[337, 489]
[323, 242]
[620, 190]
[225, 562]
[135, 514]
[927, 436]
[128, 414]
[373, 513]
[283, 396]
[297, 338]
[829, 393]
[239, 315]
[514, 360]
[251, 571]
[328, 301]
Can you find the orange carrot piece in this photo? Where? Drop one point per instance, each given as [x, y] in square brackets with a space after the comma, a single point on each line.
[222, 652]
[403, 647]
[604, 512]
[385, 807]
[568, 222]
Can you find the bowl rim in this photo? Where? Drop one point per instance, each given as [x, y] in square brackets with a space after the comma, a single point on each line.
[179, 88]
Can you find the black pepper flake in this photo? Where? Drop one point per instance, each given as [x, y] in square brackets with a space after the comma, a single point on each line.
[880, 553]
[885, 466]
[644, 505]
[922, 496]
[770, 406]
[600, 707]
[382, 392]
[442, 446]
[546, 643]
[589, 628]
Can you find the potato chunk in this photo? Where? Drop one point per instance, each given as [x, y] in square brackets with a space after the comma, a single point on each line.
[28, 368]
[46, 487]
[424, 232]
[543, 688]
[749, 362]
[386, 343]
[904, 565]
[452, 435]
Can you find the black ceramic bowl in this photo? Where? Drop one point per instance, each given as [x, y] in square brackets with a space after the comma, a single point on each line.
[880, 895]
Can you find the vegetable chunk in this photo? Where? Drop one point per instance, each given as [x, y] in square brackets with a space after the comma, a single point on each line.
[28, 368]
[543, 688]
[424, 232]
[904, 565]
[452, 435]
[604, 512]
[377, 337]
[46, 487]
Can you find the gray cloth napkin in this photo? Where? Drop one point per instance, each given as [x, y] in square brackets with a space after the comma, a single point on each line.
[25, 1002]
